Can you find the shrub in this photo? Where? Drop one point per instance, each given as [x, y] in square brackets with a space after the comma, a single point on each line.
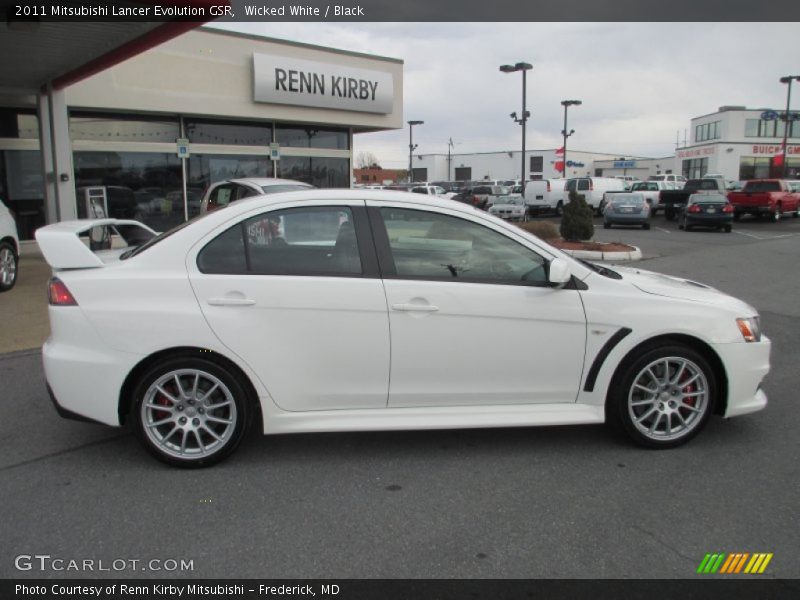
[576, 222]
[544, 230]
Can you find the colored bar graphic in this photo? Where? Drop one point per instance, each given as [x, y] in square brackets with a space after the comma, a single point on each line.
[735, 562]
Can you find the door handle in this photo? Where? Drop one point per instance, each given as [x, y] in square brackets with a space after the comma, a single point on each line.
[231, 301]
[415, 307]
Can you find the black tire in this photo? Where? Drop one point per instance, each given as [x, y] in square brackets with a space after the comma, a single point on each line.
[229, 395]
[776, 215]
[606, 225]
[737, 216]
[621, 414]
[728, 228]
[559, 208]
[9, 266]
[669, 213]
[645, 225]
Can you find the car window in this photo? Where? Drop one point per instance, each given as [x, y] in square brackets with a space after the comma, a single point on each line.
[583, 184]
[221, 196]
[295, 241]
[242, 191]
[419, 190]
[708, 198]
[428, 245]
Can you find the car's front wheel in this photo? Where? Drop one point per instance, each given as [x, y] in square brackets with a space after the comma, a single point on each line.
[190, 412]
[664, 396]
[8, 266]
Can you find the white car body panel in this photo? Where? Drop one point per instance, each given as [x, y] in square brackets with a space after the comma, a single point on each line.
[545, 194]
[321, 345]
[8, 228]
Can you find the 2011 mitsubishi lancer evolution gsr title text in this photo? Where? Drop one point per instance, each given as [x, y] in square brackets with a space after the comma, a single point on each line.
[346, 310]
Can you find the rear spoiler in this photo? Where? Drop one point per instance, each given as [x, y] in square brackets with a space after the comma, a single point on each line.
[63, 249]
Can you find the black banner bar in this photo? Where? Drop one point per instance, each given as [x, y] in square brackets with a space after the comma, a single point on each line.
[738, 588]
[401, 10]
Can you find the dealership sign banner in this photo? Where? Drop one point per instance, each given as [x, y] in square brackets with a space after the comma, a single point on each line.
[298, 82]
[694, 152]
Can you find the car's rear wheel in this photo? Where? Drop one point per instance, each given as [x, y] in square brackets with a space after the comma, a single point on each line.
[645, 225]
[728, 228]
[664, 396]
[606, 225]
[190, 412]
[8, 266]
[559, 208]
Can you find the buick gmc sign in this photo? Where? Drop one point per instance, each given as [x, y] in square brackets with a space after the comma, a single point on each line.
[282, 80]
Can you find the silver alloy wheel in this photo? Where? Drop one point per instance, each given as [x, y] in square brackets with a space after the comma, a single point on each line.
[8, 267]
[188, 414]
[668, 398]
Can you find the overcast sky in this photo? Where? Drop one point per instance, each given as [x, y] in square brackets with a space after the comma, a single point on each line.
[640, 83]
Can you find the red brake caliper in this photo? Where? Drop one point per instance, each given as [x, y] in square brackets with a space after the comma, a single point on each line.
[692, 400]
[163, 401]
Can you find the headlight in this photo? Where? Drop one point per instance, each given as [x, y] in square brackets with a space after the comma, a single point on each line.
[750, 329]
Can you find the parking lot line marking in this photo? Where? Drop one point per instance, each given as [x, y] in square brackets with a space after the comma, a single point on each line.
[762, 237]
[664, 230]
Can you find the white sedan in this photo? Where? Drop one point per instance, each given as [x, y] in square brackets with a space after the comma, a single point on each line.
[294, 309]
[9, 249]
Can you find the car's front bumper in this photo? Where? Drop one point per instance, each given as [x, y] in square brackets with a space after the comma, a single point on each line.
[746, 365]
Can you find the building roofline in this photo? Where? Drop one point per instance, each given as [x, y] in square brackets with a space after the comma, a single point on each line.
[733, 110]
[264, 38]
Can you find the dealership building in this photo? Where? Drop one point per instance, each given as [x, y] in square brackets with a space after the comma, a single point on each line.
[736, 142]
[156, 128]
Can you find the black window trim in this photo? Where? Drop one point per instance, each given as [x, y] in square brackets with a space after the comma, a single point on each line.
[389, 270]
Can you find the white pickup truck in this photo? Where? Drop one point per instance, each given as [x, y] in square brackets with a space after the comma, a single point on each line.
[651, 190]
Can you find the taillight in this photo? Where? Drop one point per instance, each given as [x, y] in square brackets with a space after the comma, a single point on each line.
[59, 295]
[475, 201]
[728, 208]
[694, 208]
[548, 185]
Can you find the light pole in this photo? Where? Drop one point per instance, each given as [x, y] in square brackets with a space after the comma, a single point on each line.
[788, 79]
[411, 147]
[524, 67]
[566, 104]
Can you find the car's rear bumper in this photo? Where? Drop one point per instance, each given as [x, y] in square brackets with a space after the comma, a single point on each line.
[713, 219]
[746, 365]
[626, 219]
[753, 210]
[84, 376]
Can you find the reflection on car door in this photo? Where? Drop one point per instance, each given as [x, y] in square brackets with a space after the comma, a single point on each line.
[296, 294]
[472, 318]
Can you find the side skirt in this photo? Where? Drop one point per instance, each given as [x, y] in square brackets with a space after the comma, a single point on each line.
[412, 418]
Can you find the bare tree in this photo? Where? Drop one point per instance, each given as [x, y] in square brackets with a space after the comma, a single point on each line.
[367, 160]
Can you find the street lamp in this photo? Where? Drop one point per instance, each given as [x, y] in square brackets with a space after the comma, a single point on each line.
[566, 104]
[788, 79]
[524, 67]
[411, 147]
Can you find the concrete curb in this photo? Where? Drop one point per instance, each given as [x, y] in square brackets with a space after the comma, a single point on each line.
[635, 254]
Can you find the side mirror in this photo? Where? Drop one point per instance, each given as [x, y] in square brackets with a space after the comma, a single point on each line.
[558, 275]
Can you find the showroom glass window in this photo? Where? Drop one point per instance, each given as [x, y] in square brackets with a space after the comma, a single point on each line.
[21, 186]
[123, 128]
[205, 169]
[146, 186]
[295, 241]
[19, 123]
[321, 172]
[302, 136]
[427, 245]
[235, 133]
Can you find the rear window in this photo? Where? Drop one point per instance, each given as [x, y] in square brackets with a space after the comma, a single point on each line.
[627, 199]
[762, 186]
[708, 199]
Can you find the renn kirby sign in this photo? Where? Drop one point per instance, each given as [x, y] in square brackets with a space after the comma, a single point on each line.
[282, 80]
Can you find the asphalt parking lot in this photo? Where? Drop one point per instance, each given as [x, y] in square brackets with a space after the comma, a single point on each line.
[502, 503]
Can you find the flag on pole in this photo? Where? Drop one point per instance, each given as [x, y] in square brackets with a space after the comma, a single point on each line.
[560, 151]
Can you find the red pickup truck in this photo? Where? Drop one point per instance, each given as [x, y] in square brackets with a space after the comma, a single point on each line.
[772, 197]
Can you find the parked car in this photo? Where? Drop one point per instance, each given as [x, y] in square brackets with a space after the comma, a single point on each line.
[630, 208]
[9, 249]
[353, 285]
[673, 201]
[222, 193]
[651, 190]
[771, 197]
[512, 209]
[545, 196]
[706, 209]
[593, 188]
